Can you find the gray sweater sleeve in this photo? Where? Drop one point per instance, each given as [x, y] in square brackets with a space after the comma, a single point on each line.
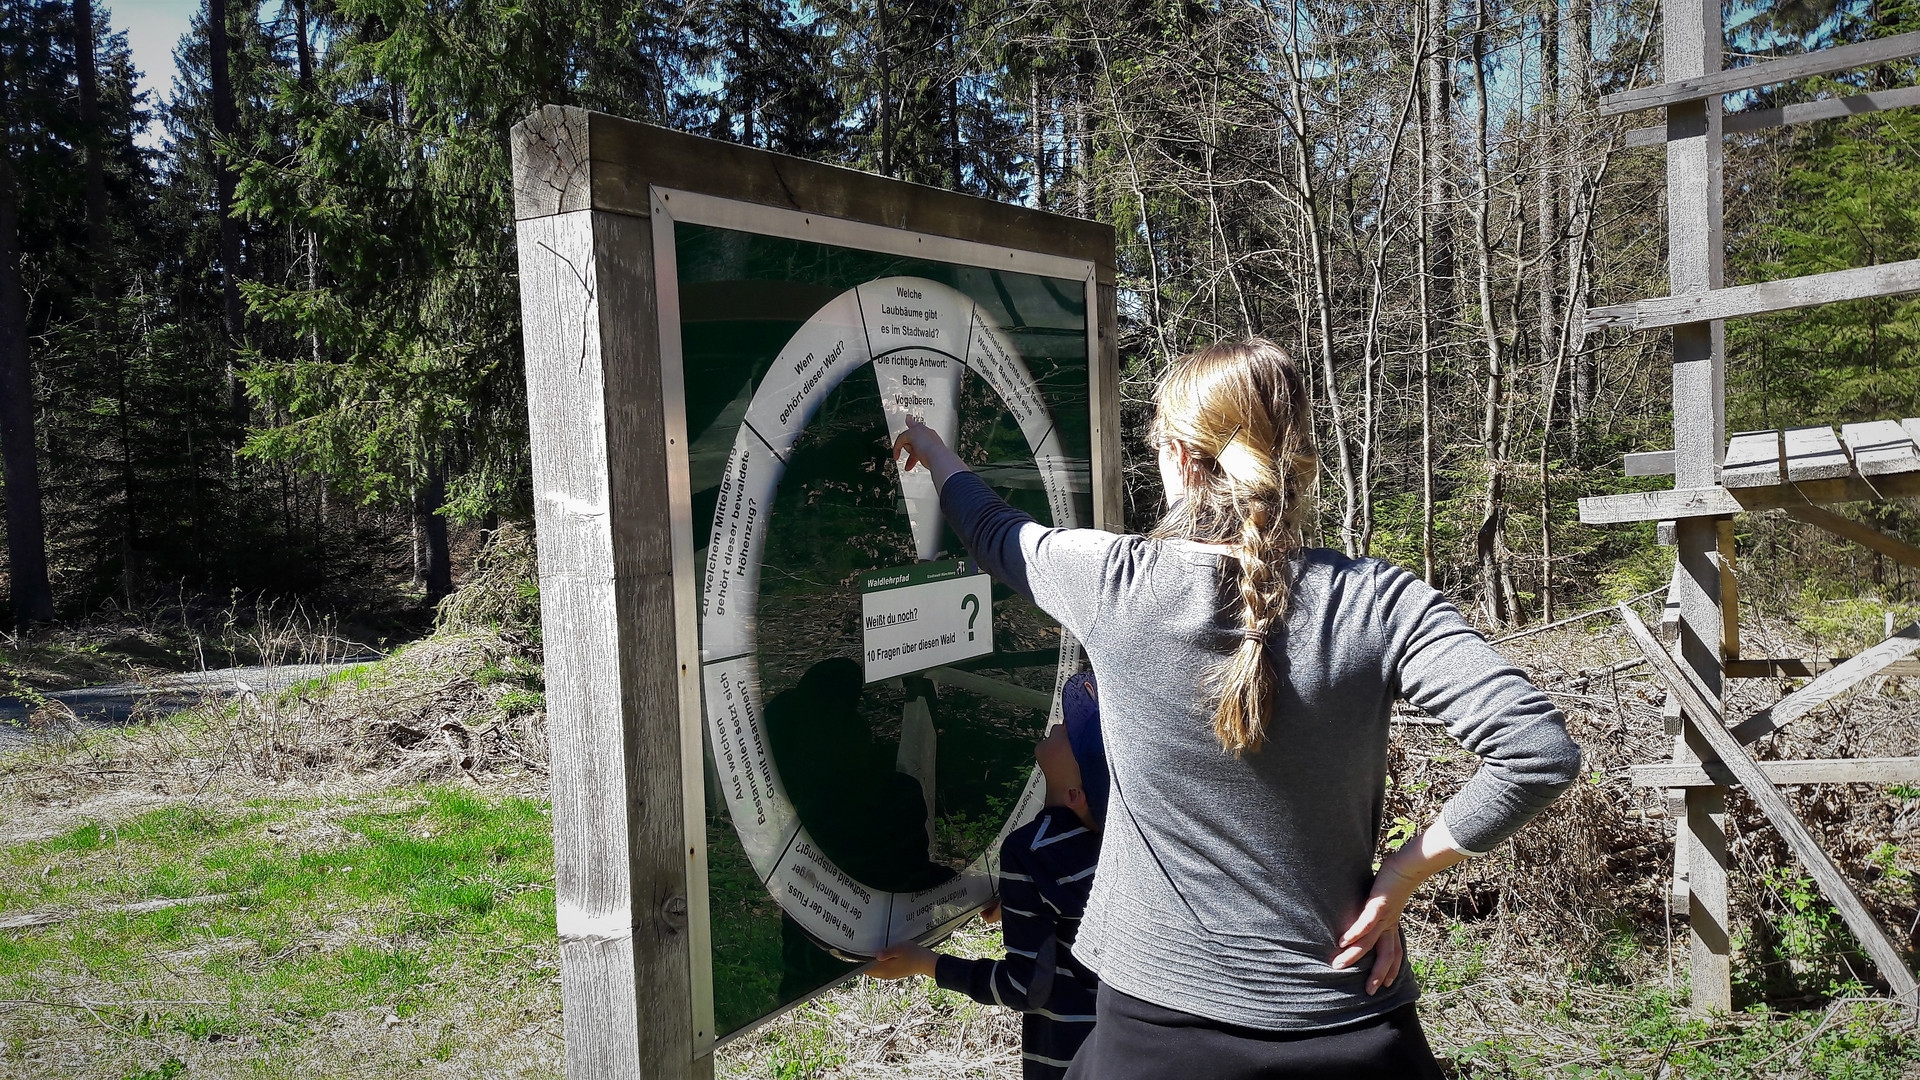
[1060, 570]
[1489, 707]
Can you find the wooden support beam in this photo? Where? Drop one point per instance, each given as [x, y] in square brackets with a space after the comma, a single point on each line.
[1832, 883]
[1849, 529]
[1714, 84]
[1697, 502]
[1828, 685]
[1673, 503]
[1881, 770]
[1739, 301]
[1793, 667]
[1802, 113]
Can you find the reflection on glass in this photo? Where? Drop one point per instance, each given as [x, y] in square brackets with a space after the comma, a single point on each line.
[852, 756]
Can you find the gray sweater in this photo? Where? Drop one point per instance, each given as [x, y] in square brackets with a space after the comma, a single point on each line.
[1224, 883]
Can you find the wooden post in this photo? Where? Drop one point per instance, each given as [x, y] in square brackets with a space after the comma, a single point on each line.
[1694, 261]
[606, 577]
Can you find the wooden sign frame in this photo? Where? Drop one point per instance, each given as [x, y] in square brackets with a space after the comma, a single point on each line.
[612, 508]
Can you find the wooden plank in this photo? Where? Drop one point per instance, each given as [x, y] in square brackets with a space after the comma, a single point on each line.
[1847, 528]
[1753, 460]
[1657, 505]
[1880, 770]
[1801, 113]
[1792, 667]
[1879, 447]
[1812, 453]
[1832, 883]
[575, 159]
[1859, 283]
[1649, 463]
[607, 594]
[1828, 685]
[1765, 73]
[1697, 502]
[1911, 426]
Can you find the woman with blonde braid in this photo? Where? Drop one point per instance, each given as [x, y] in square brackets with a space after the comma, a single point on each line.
[1236, 922]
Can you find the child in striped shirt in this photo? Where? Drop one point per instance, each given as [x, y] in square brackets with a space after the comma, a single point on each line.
[1046, 871]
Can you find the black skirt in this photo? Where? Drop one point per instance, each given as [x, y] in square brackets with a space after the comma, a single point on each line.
[1136, 1040]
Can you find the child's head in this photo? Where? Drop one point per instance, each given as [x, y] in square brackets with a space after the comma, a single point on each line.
[1073, 756]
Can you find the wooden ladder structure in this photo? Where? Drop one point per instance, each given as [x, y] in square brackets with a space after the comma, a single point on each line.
[1799, 470]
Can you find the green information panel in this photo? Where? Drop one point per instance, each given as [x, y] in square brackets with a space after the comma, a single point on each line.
[869, 726]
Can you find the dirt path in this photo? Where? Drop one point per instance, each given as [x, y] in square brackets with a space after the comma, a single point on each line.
[121, 703]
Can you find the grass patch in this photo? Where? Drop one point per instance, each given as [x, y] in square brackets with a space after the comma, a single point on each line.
[421, 918]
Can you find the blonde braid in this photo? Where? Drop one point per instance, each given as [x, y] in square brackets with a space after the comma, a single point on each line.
[1240, 411]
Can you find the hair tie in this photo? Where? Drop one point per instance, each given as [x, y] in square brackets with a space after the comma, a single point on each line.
[1253, 635]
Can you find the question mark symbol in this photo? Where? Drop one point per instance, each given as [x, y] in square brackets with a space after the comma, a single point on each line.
[972, 604]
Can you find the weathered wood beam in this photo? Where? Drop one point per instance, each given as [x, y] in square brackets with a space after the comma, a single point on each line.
[1764, 73]
[1673, 503]
[1649, 463]
[1859, 283]
[1882, 770]
[1833, 884]
[1802, 113]
[572, 159]
[1828, 685]
[1849, 529]
[1694, 502]
[1794, 667]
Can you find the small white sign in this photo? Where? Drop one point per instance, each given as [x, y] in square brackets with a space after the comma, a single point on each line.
[925, 615]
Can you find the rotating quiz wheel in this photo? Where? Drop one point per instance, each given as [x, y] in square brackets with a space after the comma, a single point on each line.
[918, 335]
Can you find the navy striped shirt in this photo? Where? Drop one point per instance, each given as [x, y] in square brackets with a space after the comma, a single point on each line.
[1046, 871]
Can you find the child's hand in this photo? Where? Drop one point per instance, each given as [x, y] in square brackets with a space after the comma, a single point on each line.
[990, 913]
[904, 961]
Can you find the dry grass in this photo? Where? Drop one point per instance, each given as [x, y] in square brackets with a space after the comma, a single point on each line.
[1555, 951]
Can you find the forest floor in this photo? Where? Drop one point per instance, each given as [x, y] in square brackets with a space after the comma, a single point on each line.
[353, 876]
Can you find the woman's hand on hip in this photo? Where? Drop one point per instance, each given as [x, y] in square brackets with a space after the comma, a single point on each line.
[1377, 930]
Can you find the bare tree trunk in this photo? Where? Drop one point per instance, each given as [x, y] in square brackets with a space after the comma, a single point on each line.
[100, 268]
[1490, 542]
[26, 527]
[219, 47]
[1373, 361]
[1038, 134]
[1576, 128]
[1547, 158]
[439, 563]
[1082, 150]
[1422, 289]
[1320, 275]
[1140, 202]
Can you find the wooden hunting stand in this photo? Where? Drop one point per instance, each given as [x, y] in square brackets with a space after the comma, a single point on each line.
[1797, 470]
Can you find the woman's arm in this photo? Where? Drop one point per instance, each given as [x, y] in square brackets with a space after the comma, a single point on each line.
[1378, 926]
[1446, 668]
[922, 445]
[1061, 570]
